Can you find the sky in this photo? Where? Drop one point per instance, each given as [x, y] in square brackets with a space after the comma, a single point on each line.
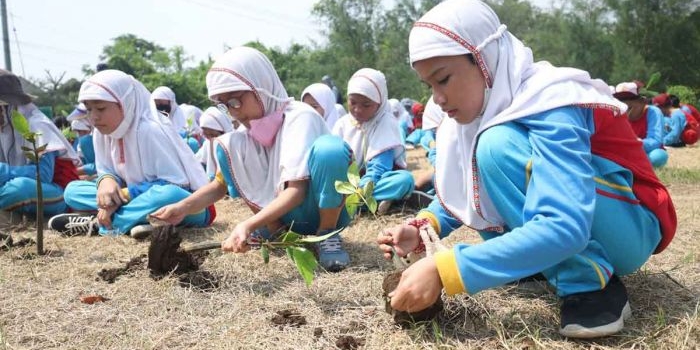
[62, 36]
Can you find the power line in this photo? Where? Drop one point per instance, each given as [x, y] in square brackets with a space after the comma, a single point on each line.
[277, 21]
[19, 51]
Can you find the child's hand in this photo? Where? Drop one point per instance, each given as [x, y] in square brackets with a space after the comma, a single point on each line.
[109, 195]
[237, 240]
[403, 238]
[104, 217]
[172, 214]
[419, 288]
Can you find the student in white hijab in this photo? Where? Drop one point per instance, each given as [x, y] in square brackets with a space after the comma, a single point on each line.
[214, 123]
[322, 99]
[83, 145]
[165, 102]
[340, 110]
[57, 165]
[396, 110]
[142, 163]
[372, 132]
[284, 164]
[558, 183]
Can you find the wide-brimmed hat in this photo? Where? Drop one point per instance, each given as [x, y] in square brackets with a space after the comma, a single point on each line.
[11, 89]
[626, 91]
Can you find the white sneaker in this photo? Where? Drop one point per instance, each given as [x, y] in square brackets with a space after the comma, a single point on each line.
[141, 231]
[384, 206]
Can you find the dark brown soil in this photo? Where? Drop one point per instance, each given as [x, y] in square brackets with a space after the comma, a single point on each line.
[164, 256]
[6, 242]
[288, 318]
[202, 281]
[318, 331]
[111, 275]
[403, 318]
[347, 342]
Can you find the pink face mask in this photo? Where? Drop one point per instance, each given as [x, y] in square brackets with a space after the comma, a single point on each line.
[264, 130]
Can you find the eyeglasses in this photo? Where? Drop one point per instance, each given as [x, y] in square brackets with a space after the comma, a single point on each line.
[234, 103]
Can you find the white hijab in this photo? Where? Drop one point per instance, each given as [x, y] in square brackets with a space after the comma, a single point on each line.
[395, 108]
[326, 98]
[381, 132]
[143, 147]
[432, 115]
[80, 125]
[11, 142]
[518, 88]
[213, 119]
[177, 117]
[259, 173]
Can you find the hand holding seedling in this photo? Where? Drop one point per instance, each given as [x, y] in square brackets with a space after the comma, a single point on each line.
[419, 288]
[237, 241]
[401, 239]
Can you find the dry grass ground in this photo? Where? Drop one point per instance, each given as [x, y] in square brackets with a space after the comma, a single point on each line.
[40, 305]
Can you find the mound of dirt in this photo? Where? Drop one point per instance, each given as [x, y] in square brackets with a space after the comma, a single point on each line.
[348, 342]
[111, 275]
[164, 255]
[288, 318]
[403, 318]
[202, 281]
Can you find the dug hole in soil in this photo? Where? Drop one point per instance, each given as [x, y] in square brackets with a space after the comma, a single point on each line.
[164, 258]
[403, 318]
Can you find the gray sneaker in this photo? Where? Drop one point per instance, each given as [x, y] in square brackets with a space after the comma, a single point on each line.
[141, 231]
[331, 254]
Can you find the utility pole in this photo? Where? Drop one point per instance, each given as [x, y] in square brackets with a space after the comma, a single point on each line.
[5, 35]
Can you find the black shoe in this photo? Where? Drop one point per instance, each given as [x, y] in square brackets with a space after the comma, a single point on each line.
[595, 314]
[418, 200]
[73, 224]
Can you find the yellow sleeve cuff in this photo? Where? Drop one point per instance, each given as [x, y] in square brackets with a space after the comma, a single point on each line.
[424, 214]
[220, 178]
[446, 263]
[125, 193]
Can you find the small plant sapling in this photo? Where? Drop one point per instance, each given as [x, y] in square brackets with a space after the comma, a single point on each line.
[356, 195]
[34, 155]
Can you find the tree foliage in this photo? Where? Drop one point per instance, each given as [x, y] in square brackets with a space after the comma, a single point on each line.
[615, 40]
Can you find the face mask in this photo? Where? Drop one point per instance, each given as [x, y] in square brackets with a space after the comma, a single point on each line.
[264, 130]
[163, 108]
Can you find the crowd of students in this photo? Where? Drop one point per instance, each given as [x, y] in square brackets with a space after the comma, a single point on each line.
[552, 168]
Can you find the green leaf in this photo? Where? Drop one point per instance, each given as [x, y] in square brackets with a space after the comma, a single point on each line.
[290, 237]
[68, 133]
[41, 148]
[354, 174]
[653, 79]
[351, 209]
[265, 254]
[27, 149]
[315, 239]
[372, 204]
[344, 187]
[30, 156]
[353, 199]
[306, 263]
[20, 123]
[368, 190]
